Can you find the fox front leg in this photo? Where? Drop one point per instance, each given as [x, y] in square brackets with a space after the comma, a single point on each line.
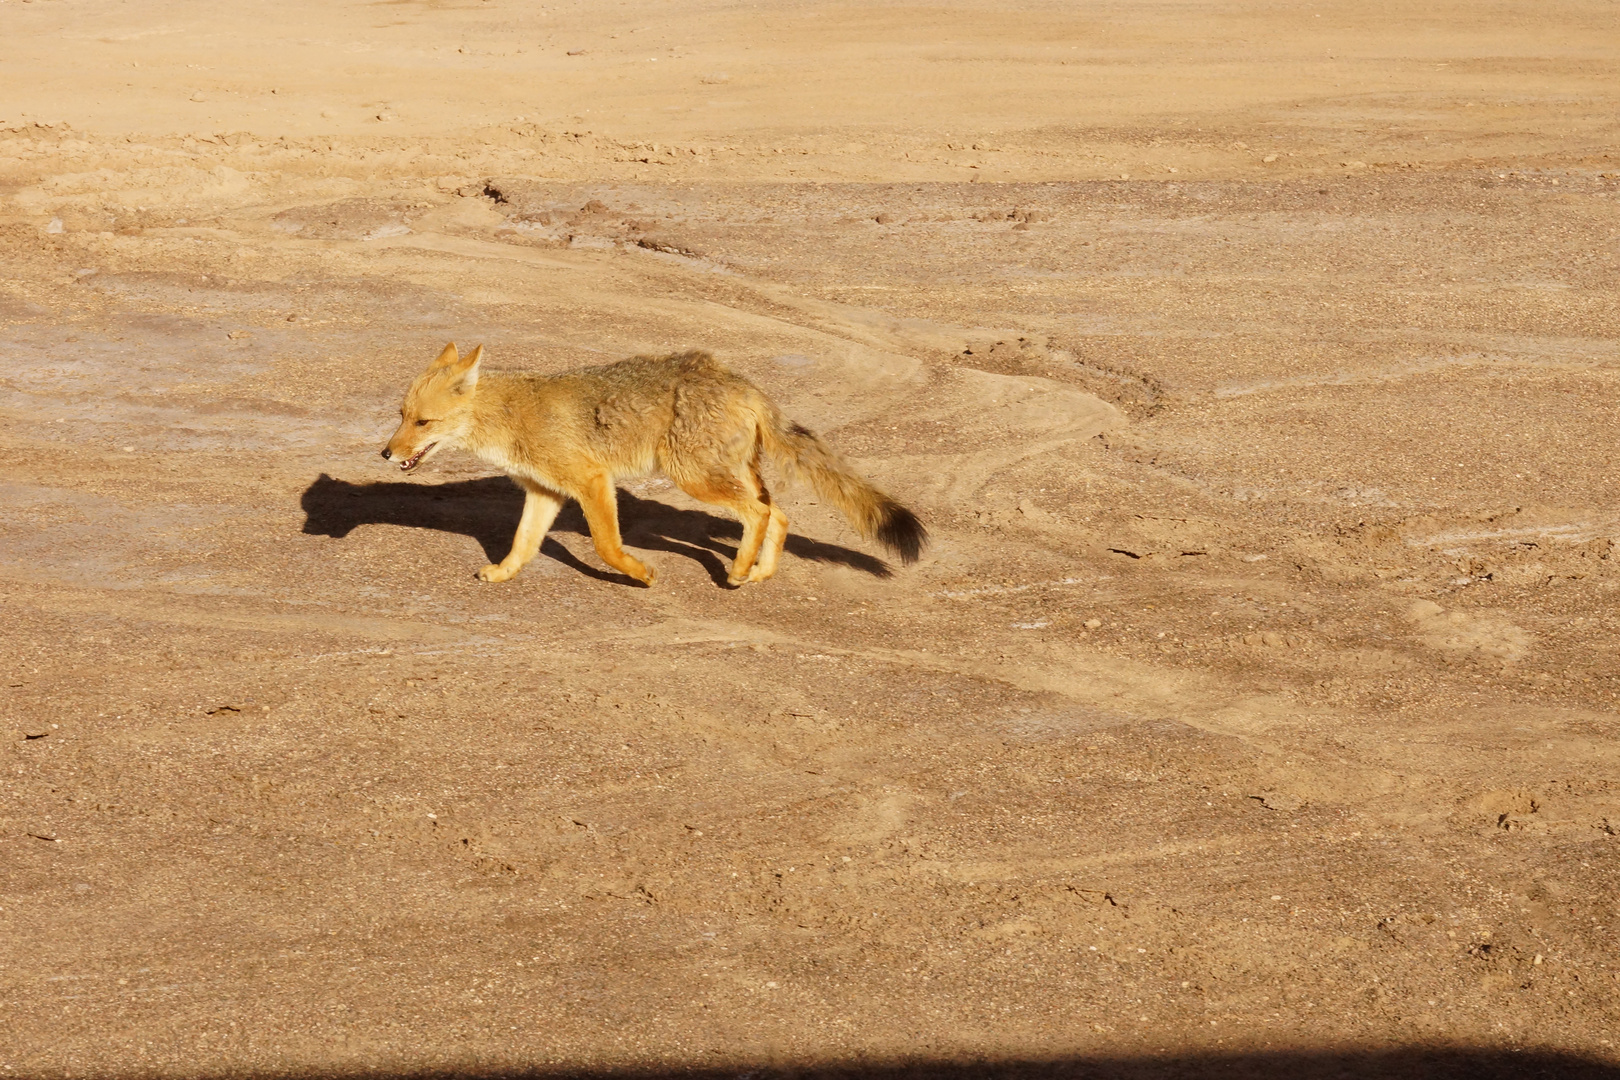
[600, 504]
[539, 511]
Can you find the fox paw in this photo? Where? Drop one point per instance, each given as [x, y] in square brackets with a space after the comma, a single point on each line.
[495, 572]
[649, 577]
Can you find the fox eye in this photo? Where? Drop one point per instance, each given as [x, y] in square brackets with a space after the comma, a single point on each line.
[422, 423]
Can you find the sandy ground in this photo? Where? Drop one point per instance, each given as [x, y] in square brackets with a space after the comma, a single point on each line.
[1254, 712]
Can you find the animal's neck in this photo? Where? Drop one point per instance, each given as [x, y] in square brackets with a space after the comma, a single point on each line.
[486, 437]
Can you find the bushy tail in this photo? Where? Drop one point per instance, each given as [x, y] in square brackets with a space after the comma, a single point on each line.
[874, 515]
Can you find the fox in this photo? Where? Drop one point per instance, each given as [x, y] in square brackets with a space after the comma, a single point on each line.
[575, 434]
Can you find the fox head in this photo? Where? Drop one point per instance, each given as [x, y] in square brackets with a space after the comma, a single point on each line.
[437, 409]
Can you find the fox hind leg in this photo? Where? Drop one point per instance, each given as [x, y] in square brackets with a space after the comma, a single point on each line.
[741, 491]
[756, 518]
[770, 549]
[775, 525]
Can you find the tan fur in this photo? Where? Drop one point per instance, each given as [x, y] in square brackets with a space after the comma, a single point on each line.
[574, 435]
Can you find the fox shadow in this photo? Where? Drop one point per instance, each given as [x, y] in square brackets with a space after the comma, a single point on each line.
[487, 510]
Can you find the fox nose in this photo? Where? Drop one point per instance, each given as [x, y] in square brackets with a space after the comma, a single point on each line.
[388, 454]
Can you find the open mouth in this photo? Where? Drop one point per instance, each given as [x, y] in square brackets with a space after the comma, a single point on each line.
[411, 462]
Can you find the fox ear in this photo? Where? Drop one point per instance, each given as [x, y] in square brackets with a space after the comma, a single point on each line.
[446, 358]
[467, 370]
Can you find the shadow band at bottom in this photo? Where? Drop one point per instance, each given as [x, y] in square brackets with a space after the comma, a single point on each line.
[1343, 1064]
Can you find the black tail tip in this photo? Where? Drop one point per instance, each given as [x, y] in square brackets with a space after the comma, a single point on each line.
[902, 533]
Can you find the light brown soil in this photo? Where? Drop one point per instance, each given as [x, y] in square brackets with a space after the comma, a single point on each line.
[1254, 366]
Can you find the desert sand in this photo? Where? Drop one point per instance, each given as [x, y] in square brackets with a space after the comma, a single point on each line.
[1256, 710]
